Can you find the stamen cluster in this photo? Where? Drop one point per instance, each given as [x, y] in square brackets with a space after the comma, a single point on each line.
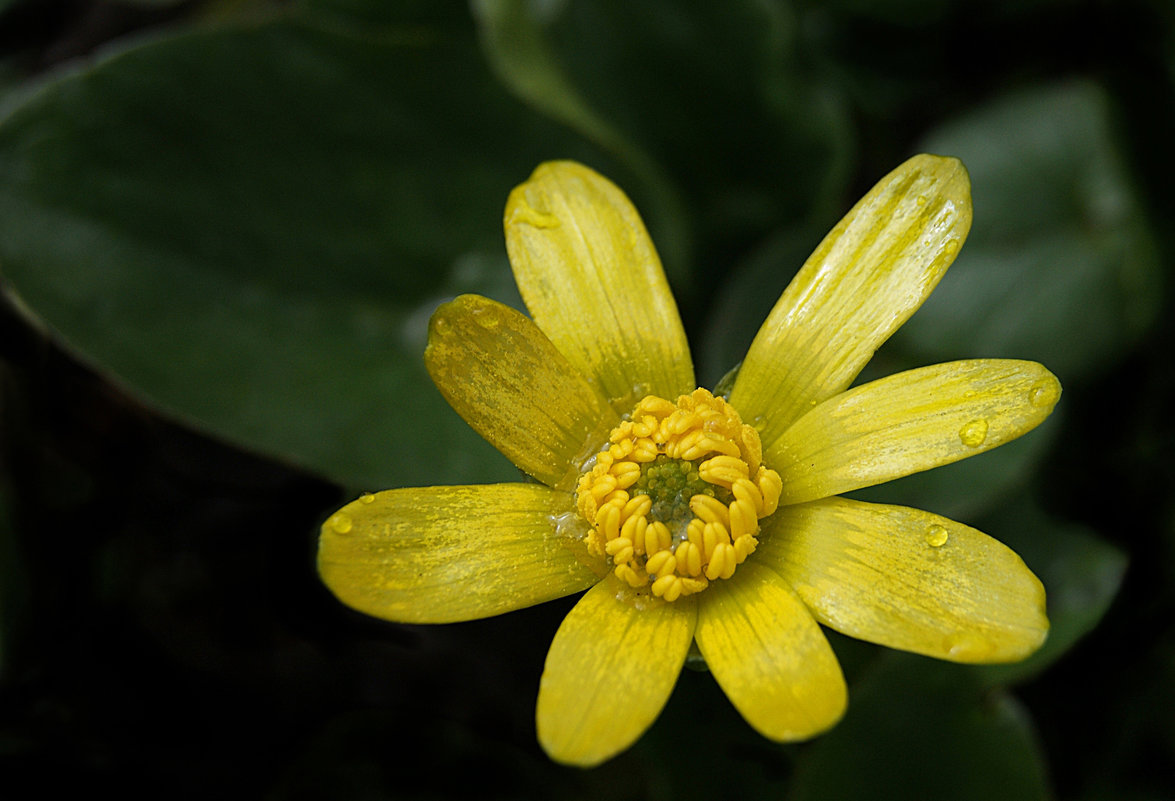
[675, 500]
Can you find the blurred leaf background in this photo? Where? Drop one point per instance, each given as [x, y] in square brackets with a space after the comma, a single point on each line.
[224, 224]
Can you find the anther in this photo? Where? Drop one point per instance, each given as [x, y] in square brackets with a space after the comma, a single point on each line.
[675, 499]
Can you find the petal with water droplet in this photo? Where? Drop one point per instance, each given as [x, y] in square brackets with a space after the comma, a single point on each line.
[908, 579]
[871, 272]
[937, 535]
[974, 433]
[510, 383]
[909, 422]
[443, 554]
[589, 274]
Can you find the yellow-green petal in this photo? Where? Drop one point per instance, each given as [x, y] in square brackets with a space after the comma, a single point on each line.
[444, 554]
[910, 422]
[510, 383]
[610, 670]
[593, 282]
[769, 655]
[908, 579]
[866, 278]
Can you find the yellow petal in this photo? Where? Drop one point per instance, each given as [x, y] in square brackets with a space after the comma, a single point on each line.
[593, 282]
[498, 370]
[609, 672]
[443, 554]
[908, 579]
[769, 655]
[865, 279]
[910, 422]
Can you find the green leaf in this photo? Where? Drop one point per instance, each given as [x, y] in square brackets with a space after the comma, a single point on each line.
[916, 728]
[709, 94]
[517, 47]
[1060, 266]
[739, 307]
[250, 226]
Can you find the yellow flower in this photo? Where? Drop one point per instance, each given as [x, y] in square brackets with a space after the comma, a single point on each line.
[690, 518]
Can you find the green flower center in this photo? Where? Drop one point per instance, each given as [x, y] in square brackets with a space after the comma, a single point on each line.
[670, 484]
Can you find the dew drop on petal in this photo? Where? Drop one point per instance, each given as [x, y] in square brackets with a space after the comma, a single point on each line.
[532, 216]
[966, 645]
[487, 317]
[340, 523]
[570, 525]
[936, 536]
[367, 497]
[951, 247]
[1043, 394]
[974, 433]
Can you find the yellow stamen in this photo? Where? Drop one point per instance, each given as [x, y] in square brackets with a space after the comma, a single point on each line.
[675, 499]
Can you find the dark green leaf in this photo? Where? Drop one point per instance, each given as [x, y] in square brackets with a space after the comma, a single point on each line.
[251, 226]
[742, 304]
[1059, 267]
[916, 728]
[708, 94]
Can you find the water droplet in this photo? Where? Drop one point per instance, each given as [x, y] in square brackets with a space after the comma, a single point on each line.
[571, 525]
[367, 497]
[440, 325]
[936, 536]
[951, 247]
[532, 216]
[922, 200]
[487, 317]
[965, 645]
[639, 599]
[974, 433]
[1043, 394]
[340, 523]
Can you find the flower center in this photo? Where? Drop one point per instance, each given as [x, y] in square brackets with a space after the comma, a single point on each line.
[675, 499]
